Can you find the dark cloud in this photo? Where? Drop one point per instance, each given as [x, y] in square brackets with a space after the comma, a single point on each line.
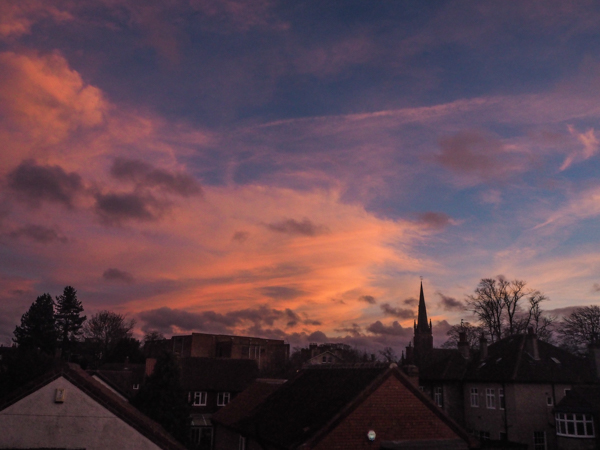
[240, 236]
[435, 220]
[115, 208]
[311, 322]
[562, 312]
[368, 299]
[293, 227]
[354, 330]
[401, 313]
[475, 153]
[450, 303]
[395, 329]
[410, 301]
[36, 183]
[117, 275]
[281, 292]
[318, 337]
[145, 175]
[38, 233]
[167, 320]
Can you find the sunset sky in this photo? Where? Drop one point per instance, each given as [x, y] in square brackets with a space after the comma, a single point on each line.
[289, 169]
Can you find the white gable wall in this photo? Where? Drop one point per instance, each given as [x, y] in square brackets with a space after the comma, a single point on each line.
[79, 422]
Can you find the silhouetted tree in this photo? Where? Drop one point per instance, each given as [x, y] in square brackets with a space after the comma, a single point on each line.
[580, 328]
[163, 399]
[507, 307]
[388, 355]
[472, 332]
[106, 330]
[68, 316]
[38, 326]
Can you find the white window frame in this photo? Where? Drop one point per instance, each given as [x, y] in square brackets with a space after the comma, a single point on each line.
[501, 399]
[539, 440]
[199, 398]
[223, 398]
[575, 425]
[474, 397]
[136, 386]
[242, 443]
[490, 398]
[438, 396]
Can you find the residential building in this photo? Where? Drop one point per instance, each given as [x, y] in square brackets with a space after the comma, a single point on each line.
[338, 406]
[210, 384]
[577, 418]
[505, 392]
[67, 408]
[269, 354]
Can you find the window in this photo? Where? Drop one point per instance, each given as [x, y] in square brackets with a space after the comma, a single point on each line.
[242, 443]
[199, 398]
[222, 398]
[549, 401]
[501, 400]
[474, 398]
[324, 359]
[136, 386]
[482, 435]
[437, 396]
[202, 437]
[503, 436]
[539, 440]
[490, 398]
[575, 425]
[567, 391]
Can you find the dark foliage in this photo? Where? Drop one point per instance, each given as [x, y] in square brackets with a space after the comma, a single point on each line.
[38, 327]
[580, 329]
[21, 366]
[69, 320]
[163, 399]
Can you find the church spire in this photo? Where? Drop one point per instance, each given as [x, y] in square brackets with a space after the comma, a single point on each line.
[422, 322]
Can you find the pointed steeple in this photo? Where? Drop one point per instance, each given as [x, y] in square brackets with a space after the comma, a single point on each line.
[422, 322]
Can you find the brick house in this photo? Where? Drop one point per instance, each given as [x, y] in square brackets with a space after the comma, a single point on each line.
[338, 407]
[67, 408]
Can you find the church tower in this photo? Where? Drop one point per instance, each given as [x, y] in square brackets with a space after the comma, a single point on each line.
[423, 339]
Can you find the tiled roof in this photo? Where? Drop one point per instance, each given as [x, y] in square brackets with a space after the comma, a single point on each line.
[217, 374]
[307, 407]
[581, 399]
[103, 396]
[245, 402]
[509, 360]
[122, 380]
[317, 395]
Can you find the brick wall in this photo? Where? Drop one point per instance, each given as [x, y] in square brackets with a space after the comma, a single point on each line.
[394, 413]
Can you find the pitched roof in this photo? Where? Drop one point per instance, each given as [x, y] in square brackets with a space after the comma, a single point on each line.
[509, 360]
[246, 401]
[321, 397]
[103, 396]
[581, 399]
[121, 380]
[217, 374]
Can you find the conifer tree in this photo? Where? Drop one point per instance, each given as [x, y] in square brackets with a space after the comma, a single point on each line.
[68, 316]
[38, 326]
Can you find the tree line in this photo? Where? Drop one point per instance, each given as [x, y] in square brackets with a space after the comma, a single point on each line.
[504, 308]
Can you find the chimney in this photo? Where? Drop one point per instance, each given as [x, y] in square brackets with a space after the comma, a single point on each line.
[483, 347]
[410, 353]
[594, 356]
[412, 373]
[463, 345]
[150, 363]
[531, 344]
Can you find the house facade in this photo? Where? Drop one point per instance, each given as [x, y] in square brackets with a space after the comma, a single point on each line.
[66, 408]
[339, 407]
